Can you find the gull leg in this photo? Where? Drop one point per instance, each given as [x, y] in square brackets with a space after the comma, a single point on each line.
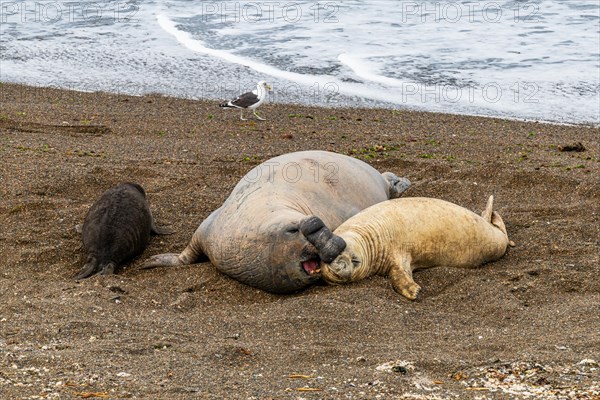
[242, 115]
[258, 116]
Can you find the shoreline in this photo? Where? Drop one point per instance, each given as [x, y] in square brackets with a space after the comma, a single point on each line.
[393, 107]
[371, 134]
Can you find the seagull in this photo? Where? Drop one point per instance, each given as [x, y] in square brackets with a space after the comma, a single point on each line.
[250, 100]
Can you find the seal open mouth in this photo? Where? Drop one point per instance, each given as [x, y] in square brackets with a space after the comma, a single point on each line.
[311, 267]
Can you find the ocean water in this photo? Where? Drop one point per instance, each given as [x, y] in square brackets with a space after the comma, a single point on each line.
[535, 60]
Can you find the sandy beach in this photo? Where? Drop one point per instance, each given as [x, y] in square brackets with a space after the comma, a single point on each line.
[526, 326]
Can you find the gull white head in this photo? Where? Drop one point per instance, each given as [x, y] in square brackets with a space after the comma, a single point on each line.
[265, 85]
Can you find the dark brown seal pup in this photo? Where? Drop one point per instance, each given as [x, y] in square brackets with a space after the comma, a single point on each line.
[116, 228]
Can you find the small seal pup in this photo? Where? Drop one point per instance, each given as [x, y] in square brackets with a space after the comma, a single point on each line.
[116, 228]
[395, 237]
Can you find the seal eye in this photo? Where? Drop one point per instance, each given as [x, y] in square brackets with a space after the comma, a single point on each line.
[292, 231]
[355, 261]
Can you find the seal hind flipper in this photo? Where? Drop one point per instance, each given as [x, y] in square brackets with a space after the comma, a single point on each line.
[89, 269]
[499, 223]
[489, 209]
[193, 253]
[495, 219]
[170, 260]
[161, 230]
[108, 269]
[162, 260]
[396, 185]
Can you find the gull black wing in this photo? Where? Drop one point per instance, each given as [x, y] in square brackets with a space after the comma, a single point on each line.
[245, 100]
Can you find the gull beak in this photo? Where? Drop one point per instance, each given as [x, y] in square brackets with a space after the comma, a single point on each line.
[269, 88]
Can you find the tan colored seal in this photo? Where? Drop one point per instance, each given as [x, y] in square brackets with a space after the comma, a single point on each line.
[396, 237]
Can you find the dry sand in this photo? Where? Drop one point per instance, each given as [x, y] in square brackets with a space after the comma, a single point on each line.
[529, 323]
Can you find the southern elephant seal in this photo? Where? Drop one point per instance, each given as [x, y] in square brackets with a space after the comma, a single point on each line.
[396, 237]
[255, 238]
[116, 228]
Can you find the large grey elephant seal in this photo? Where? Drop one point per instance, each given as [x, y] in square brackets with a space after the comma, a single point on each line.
[116, 228]
[396, 237]
[255, 238]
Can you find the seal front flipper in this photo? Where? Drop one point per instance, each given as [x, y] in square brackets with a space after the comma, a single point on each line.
[402, 280]
[396, 185]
